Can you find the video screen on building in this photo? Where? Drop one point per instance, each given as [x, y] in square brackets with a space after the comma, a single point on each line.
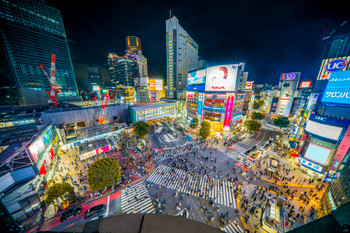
[221, 78]
[36, 148]
[318, 154]
[196, 77]
[323, 130]
[338, 88]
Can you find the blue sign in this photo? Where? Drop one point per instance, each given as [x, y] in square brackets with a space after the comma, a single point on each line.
[196, 87]
[338, 88]
[200, 104]
[311, 165]
[336, 65]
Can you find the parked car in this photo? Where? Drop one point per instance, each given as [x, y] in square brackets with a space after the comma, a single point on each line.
[93, 211]
[70, 213]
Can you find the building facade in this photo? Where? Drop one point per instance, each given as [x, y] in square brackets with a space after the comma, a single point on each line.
[30, 32]
[181, 57]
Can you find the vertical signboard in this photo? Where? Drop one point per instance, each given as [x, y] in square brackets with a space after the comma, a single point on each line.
[342, 149]
[200, 104]
[228, 112]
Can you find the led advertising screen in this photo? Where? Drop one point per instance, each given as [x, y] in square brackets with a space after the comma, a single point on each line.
[196, 77]
[332, 65]
[36, 148]
[228, 112]
[324, 130]
[305, 84]
[338, 88]
[196, 87]
[221, 78]
[318, 154]
[159, 84]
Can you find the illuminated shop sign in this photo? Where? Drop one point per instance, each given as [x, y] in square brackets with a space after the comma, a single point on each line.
[305, 84]
[228, 113]
[311, 165]
[336, 65]
[338, 88]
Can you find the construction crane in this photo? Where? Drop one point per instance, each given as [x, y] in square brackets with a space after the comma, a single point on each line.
[54, 88]
[105, 100]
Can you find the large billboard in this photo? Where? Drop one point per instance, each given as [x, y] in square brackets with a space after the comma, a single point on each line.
[338, 88]
[318, 154]
[155, 84]
[221, 78]
[288, 84]
[36, 148]
[332, 65]
[305, 84]
[324, 130]
[249, 85]
[196, 77]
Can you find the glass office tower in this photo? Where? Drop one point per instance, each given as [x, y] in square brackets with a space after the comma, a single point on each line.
[30, 32]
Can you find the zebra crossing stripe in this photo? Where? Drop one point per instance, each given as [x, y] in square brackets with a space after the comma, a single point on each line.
[129, 203]
[233, 228]
[220, 191]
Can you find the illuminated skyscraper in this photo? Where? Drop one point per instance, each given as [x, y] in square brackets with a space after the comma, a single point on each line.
[133, 45]
[181, 57]
[30, 31]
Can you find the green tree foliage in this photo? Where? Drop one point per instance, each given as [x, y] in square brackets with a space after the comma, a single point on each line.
[258, 103]
[204, 132]
[258, 116]
[281, 121]
[253, 125]
[141, 129]
[104, 172]
[194, 123]
[58, 190]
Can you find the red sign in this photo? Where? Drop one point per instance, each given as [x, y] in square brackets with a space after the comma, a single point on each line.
[102, 150]
[51, 153]
[343, 148]
[228, 112]
[305, 84]
[190, 96]
[42, 169]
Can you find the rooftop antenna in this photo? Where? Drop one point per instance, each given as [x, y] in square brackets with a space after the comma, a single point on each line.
[170, 14]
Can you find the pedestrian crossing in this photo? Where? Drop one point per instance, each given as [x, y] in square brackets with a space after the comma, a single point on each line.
[135, 199]
[233, 228]
[239, 158]
[220, 191]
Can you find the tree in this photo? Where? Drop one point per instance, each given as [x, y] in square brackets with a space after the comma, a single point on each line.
[253, 125]
[103, 173]
[194, 123]
[258, 103]
[281, 121]
[204, 132]
[141, 129]
[58, 190]
[258, 116]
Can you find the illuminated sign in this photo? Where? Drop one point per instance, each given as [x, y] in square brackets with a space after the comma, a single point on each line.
[333, 64]
[102, 150]
[190, 96]
[196, 77]
[249, 85]
[311, 165]
[228, 112]
[196, 87]
[343, 148]
[36, 148]
[338, 88]
[289, 76]
[200, 104]
[336, 65]
[221, 78]
[305, 84]
[152, 84]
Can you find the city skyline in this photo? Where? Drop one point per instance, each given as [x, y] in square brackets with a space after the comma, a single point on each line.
[288, 34]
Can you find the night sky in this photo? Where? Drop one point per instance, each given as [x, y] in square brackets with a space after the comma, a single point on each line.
[271, 37]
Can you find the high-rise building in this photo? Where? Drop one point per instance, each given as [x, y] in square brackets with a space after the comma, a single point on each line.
[123, 70]
[181, 57]
[30, 32]
[338, 46]
[95, 80]
[288, 85]
[133, 45]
